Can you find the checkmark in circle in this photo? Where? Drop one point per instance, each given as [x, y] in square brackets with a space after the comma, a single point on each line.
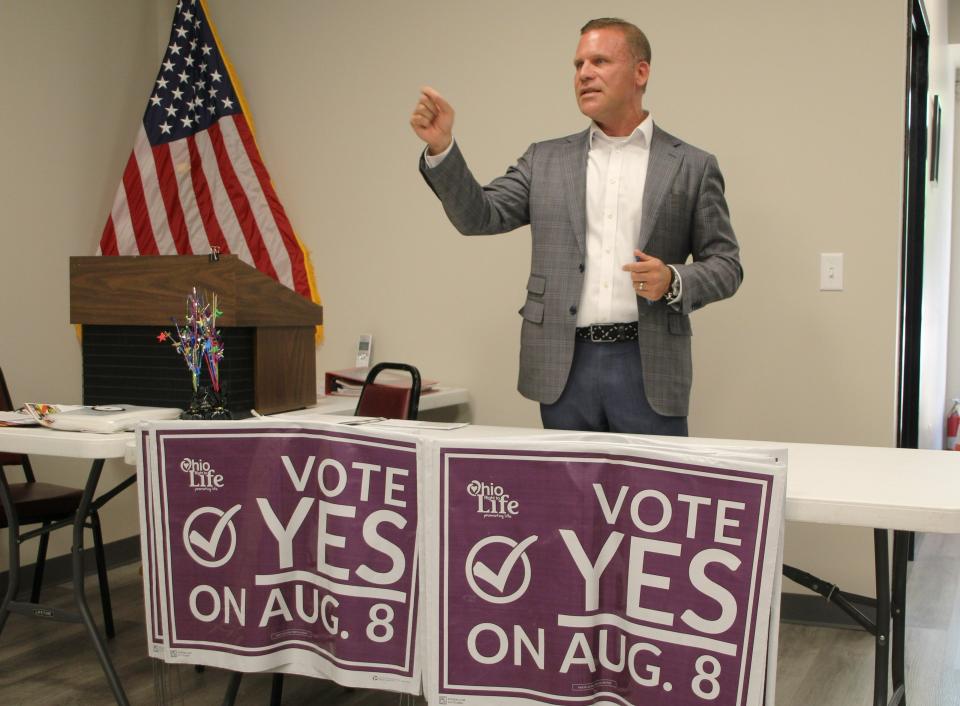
[498, 579]
[211, 544]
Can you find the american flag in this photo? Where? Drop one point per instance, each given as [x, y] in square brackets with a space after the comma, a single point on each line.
[195, 180]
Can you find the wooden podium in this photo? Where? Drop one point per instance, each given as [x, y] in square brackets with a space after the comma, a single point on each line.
[125, 302]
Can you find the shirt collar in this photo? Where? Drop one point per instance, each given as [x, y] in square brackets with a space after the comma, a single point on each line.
[642, 134]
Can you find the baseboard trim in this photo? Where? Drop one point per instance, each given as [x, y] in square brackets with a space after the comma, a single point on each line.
[59, 569]
[803, 609]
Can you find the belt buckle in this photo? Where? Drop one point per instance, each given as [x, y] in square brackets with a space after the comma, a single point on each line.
[593, 337]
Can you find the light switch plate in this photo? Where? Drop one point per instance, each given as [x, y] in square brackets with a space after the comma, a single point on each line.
[831, 271]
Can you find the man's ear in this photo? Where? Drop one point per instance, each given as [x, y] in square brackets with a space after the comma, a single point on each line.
[642, 74]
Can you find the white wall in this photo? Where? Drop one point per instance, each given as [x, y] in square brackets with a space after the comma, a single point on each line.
[953, 349]
[75, 79]
[797, 102]
[934, 361]
[801, 102]
[953, 21]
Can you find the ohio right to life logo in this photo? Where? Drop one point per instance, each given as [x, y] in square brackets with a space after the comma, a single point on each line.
[201, 475]
[492, 501]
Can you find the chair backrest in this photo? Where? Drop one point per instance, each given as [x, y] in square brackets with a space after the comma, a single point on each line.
[6, 404]
[11, 459]
[390, 401]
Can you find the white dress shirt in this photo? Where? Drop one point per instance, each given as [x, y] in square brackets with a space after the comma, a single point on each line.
[616, 175]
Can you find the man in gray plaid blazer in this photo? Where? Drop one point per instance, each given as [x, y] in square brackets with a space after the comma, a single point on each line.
[616, 212]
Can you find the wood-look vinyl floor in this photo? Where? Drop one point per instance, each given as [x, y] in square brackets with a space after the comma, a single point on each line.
[52, 664]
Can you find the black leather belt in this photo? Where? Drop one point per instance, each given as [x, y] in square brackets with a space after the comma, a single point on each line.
[608, 333]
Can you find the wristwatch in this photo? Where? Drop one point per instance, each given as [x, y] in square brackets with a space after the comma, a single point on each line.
[674, 292]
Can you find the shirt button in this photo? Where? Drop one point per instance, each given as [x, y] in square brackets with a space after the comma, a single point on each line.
[573, 309]
[581, 268]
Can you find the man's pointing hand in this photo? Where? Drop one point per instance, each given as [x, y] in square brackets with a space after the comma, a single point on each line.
[432, 120]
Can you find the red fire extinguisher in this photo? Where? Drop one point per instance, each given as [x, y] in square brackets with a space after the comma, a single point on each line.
[953, 427]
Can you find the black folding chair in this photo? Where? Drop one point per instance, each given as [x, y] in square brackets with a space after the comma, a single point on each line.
[52, 507]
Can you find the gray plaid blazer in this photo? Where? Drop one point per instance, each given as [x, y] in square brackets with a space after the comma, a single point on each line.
[685, 216]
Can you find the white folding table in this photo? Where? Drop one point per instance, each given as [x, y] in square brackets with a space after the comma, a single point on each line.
[97, 448]
[902, 490]
[884, 489]
[898, 490]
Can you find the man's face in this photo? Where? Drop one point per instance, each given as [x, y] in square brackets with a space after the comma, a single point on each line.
[608, 81]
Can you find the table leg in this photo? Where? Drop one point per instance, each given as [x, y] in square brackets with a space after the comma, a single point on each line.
[902, 542]
[276, 689]
[233, 686]
[102, 577]
[79, 596]
[13, 532]
[38, 567]
[881, 665]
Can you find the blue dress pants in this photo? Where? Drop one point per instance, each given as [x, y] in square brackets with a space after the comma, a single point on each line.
[604, 392]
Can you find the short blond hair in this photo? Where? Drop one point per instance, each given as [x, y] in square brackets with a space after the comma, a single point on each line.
[636, 39]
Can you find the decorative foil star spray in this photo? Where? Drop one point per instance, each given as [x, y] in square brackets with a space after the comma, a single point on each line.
[198, 340]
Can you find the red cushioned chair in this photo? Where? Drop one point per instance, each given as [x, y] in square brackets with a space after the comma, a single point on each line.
[390, 401]
[45, 504]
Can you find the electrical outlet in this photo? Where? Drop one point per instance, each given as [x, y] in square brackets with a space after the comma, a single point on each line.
[831, 271]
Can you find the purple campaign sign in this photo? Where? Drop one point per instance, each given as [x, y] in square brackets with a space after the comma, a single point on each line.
[588, 577]
[280, 539]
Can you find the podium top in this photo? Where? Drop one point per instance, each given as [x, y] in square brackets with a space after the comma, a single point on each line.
[149, 290]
